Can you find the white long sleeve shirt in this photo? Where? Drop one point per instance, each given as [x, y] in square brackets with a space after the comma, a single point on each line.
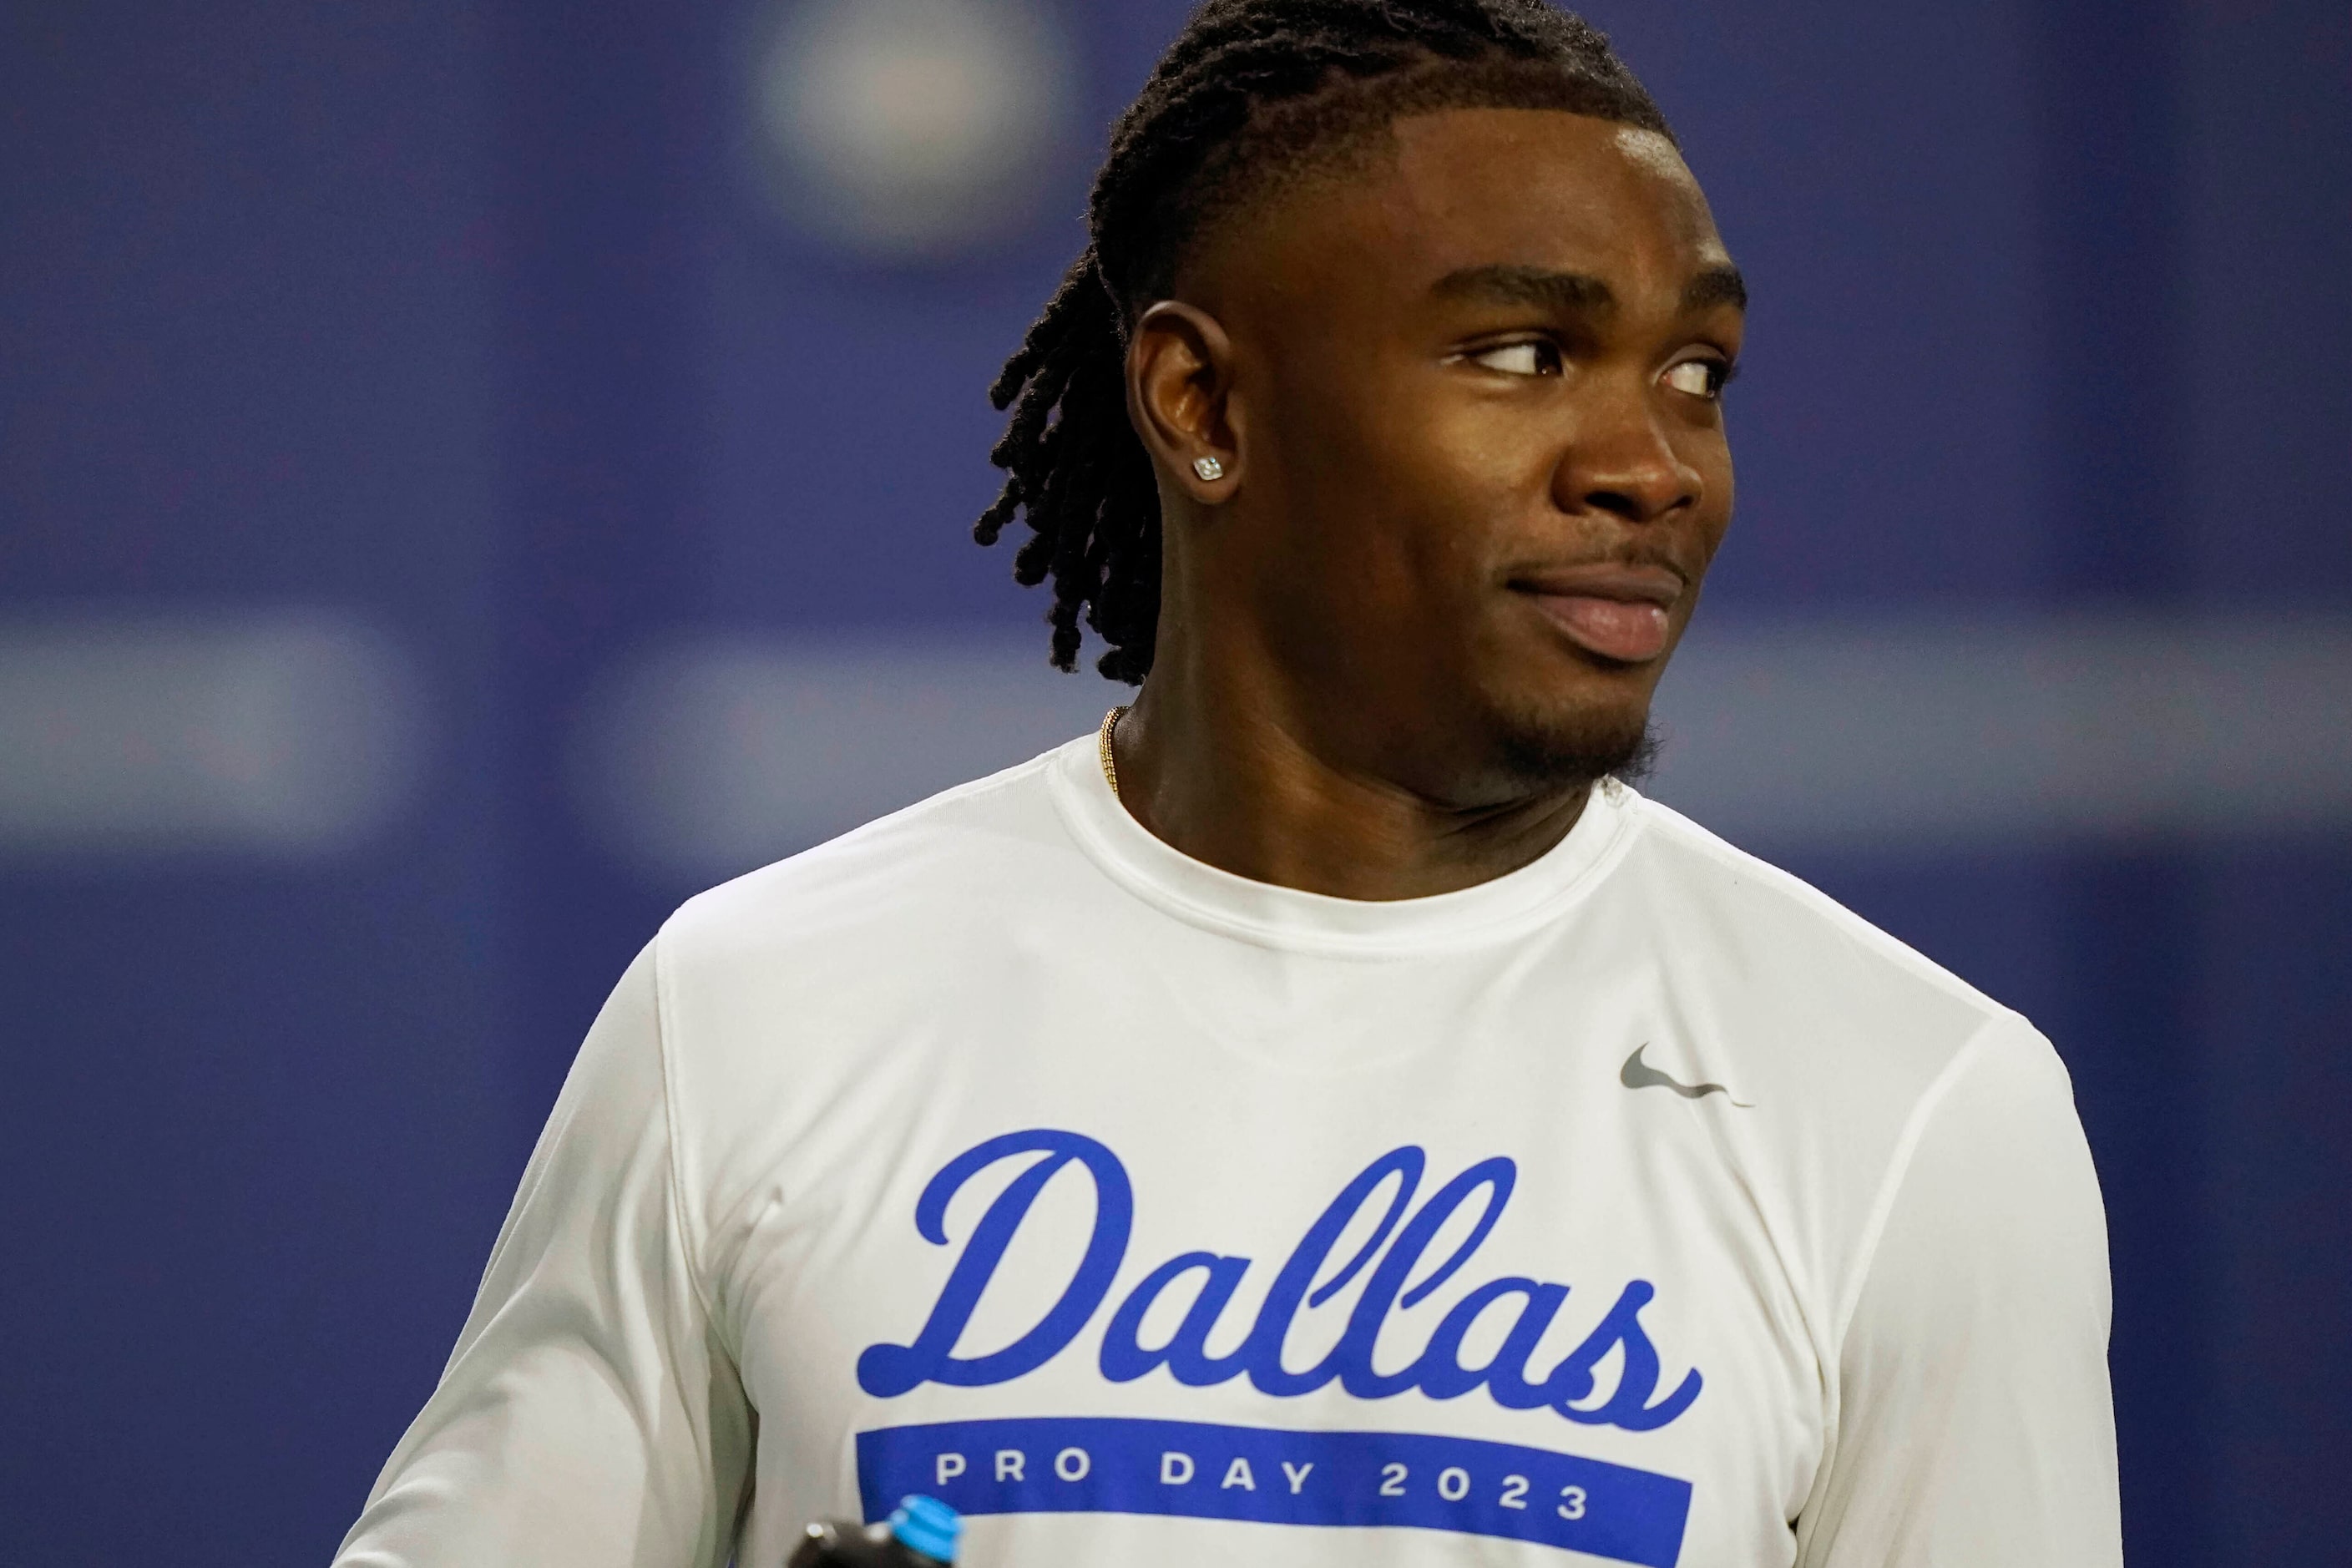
[1641, 1206]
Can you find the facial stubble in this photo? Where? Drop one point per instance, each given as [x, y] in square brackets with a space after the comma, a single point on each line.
[1564, 750]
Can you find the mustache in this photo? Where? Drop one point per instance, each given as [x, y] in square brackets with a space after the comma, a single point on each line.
[1642, 572]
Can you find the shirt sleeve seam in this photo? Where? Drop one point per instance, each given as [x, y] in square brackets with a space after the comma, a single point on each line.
[1898, 1170]
[689, 1243]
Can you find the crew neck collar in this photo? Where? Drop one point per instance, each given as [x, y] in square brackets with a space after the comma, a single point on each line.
[1275, 916]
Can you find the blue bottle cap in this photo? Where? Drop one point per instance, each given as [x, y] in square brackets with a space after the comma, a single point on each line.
[927, 1525]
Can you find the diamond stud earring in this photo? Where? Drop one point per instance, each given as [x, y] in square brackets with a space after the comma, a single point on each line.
[1209, 469]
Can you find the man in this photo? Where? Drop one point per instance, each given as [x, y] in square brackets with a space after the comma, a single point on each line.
[1325, 1117]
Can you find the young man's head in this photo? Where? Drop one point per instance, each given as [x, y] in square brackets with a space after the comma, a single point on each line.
[1387, 393]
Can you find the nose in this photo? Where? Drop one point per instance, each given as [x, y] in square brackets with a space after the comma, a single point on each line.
[1621, 460]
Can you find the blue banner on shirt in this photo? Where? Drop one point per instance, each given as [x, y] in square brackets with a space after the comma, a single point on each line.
[1100, 1464]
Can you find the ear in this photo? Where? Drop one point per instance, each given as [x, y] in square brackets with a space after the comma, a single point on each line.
[1180, 395]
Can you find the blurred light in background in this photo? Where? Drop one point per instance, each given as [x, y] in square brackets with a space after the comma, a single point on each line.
[1926, 734]
[715, 756]
[912, 130]
[711, 758]
[290, 734]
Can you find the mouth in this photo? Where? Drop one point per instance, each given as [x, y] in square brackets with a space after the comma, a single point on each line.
[1619, 613]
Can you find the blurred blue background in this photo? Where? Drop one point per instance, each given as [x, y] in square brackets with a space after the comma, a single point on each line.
[473, 473]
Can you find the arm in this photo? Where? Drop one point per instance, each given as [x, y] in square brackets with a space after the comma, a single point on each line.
[1975, 1427]
[590, 1416]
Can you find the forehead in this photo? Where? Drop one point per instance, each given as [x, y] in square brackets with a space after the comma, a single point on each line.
[1463, 188]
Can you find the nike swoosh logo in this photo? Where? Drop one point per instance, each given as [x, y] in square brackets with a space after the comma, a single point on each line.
[1639, 1074]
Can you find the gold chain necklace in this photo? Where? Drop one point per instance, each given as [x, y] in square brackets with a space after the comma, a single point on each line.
[1110, 768]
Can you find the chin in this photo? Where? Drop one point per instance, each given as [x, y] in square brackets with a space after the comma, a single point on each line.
[1564, 743]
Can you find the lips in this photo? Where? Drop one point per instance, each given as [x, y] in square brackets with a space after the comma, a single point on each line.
[1613, 628]
[1619, 613]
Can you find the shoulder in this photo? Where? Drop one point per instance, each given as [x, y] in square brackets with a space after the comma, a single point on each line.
[1765, 910]
[930, 863]
[833, 973]
[836, 944]
[1851, 1036]
[1847, 1048]
[1735, 924]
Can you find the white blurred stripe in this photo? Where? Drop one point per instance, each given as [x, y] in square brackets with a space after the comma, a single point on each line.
[285, 733]
[711, 757]
[1926, 734]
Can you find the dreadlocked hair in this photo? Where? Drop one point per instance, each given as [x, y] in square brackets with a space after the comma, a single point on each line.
[1250, 93]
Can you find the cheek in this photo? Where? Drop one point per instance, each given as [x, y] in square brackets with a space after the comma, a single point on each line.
[1393, 487]
[1447, 491]
[1461, 471]
[1381, 488]
[1462, 485]
[1715, 467]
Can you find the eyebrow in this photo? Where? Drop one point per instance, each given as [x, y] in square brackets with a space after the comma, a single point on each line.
[1579, 291]
[1720, 285]
[1503, 285]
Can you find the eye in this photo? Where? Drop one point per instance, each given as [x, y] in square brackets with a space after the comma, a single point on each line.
[1699, 377]
[1532, 357]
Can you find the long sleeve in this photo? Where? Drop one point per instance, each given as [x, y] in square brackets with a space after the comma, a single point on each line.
[1975, 1426]
[590, 1416]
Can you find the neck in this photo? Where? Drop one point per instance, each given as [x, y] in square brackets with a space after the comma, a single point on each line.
[1227, 770]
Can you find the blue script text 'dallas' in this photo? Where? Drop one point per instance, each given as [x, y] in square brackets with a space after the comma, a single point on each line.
[1394, 1253]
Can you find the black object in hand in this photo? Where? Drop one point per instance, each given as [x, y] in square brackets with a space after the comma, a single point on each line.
[920, 1534]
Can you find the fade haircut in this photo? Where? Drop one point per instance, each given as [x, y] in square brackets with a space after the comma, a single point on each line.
[1253, 96]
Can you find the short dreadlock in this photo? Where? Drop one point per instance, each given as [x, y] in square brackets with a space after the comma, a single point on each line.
[1250, 93]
